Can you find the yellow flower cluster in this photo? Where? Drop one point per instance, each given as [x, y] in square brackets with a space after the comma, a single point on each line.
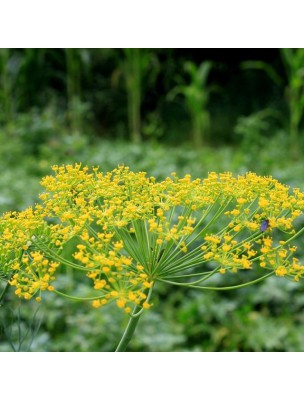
[30, 269]
[127, 231]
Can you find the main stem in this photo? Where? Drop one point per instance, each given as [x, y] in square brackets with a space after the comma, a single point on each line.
[129, 331]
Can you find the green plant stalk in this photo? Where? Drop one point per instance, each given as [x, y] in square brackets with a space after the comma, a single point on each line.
[198, 132]
[134, 113]
[295, 117]
[4, 292]
[293, 59]
[129, 331]
[194, 286]
[132, 324]
[73, 87]
[133, 72]
[5, 85]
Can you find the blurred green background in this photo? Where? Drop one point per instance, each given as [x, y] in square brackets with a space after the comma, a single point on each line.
[158, 110]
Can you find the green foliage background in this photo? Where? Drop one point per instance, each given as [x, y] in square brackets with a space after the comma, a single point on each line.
[64, 106]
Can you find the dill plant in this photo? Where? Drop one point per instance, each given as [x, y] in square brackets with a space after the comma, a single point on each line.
[129, 232]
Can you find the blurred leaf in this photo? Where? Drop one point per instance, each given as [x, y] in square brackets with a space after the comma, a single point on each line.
[263, 66]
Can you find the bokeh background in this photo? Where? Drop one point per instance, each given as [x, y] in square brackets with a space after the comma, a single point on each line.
[158, 110]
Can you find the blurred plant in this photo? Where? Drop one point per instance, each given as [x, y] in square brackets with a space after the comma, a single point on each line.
[18, 331]
[5, 87]
[196, 95]
[254, 127]
[32, 75]
[34, 128]
[153, 127]
[293, 60]
[77, 62]
[135, 63]
[294, 64]
[127, 233]
[134, 67]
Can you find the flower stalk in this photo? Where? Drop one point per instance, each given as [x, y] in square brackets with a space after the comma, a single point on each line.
[6, 287]
[129, 331]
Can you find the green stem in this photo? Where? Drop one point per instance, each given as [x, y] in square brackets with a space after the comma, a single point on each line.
[218, 288]
[132, 324]
[77, 298]
[4, 292]
[129, 331]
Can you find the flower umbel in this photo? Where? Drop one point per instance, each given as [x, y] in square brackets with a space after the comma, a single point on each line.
[128, 231]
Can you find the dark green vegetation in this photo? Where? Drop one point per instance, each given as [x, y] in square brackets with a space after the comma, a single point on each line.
[189, 111]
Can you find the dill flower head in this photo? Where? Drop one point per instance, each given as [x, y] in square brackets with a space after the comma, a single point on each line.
[127, 231]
